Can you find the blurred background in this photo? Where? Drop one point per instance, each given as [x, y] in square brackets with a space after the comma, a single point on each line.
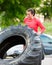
[12, 12]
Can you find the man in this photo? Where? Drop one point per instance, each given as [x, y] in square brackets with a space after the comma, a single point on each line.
[33, 22]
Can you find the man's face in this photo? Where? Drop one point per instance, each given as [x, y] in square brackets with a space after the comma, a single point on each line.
[29, 15]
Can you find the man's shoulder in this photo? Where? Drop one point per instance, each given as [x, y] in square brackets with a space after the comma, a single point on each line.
[37, 19]
[25, 18]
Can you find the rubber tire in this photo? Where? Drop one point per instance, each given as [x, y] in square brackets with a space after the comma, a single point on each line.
[43, 52]
[32, 53]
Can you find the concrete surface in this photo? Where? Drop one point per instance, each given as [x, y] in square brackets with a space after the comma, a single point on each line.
[47, 60]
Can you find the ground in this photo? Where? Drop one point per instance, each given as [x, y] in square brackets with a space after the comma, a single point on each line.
[47, 60]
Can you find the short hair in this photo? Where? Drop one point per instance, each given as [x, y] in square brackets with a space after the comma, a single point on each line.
[32, 11]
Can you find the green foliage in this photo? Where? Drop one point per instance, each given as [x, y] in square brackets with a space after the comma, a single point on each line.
[46, 9]
[15, 9]
[48, 26]
[11, 7]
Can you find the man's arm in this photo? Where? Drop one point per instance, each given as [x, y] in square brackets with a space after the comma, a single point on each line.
[41, 27]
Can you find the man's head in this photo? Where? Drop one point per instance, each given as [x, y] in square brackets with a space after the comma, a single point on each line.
[30, 12]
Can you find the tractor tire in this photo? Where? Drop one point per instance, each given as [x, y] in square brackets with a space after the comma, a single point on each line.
[14, 35]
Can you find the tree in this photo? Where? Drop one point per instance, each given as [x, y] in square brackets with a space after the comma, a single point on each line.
[46, 9]
[15, 8]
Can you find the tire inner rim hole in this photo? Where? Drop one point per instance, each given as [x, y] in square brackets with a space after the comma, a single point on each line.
[12, 47]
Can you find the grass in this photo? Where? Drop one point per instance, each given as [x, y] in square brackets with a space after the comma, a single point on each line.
[48, 26]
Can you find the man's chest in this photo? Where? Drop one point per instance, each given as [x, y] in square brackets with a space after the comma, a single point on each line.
[31, 22]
